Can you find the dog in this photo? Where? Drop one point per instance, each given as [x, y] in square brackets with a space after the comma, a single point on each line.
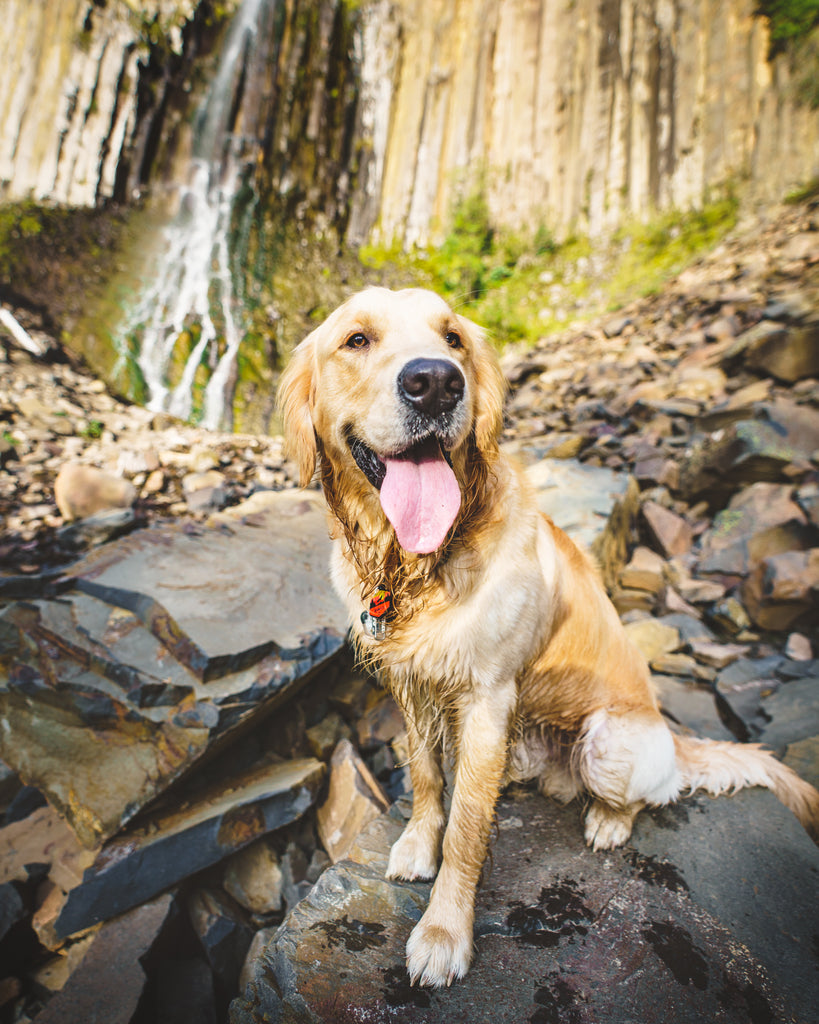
[490, 627]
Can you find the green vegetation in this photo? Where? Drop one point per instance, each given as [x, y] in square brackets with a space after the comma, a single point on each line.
[789, 19]
[794, 30]
[92, 431]
[522, 287]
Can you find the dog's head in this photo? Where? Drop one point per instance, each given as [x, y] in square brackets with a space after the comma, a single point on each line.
[399, 389]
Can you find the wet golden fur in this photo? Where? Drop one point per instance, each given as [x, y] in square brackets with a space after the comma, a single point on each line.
[504, 642]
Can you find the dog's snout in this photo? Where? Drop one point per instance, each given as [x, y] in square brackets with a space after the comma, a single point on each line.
[431, 386]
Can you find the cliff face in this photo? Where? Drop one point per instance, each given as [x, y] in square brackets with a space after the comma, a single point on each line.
[567, 112]
[575, 112]
[91, 93]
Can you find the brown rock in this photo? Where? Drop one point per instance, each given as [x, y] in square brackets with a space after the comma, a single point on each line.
[253, 877]
[645, 571]
[760, 521]
[799, 648]
[81, 491]
[653, 638]
[110, 980]
[381, 722]
[672, 533]
[782, 589]
[789, 357]
[323, 737]
[354, 799]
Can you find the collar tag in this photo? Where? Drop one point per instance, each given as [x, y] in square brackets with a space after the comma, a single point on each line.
[375, 620]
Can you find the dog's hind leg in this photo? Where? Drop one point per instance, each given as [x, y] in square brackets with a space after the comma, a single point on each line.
[626, 761]
[415, 854]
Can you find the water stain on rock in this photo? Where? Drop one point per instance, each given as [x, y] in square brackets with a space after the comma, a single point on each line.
[557, 1003]
[656, 872]
[560, 913]
[748, 998]
[398, 990]
[355, 936]
[675, 947]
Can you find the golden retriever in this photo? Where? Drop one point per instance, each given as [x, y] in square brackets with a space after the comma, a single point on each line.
[490, 627]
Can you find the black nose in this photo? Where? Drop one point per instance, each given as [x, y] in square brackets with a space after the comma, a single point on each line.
[431, 386]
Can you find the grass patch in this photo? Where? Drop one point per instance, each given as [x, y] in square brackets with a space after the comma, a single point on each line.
[524, 286]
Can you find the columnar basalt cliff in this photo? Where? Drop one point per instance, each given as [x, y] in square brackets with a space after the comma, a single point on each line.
[567, 112]
[579, 112]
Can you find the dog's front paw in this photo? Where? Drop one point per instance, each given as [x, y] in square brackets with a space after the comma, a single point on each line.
[436, 955]
[606, 829]
[414, 855]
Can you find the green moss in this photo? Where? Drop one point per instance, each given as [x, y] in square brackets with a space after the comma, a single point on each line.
[789, 20]
[521, 286]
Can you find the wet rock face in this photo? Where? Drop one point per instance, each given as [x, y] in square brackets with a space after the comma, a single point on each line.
[562, 933]
[152, 653]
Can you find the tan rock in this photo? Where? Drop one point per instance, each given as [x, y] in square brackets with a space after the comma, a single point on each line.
[653, 638]
[81, 491]
[798, 647]
[253, 877]
[672, 533]
[790, 357]
[323, 737]
[782, 589]
[354, 798]
[381, 722]
[716, 655]
[645, 571]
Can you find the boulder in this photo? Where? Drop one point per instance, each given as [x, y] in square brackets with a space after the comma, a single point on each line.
[110, 982]
[671, 532]
[735, 449]
[156, 648]
[354, 798]
[783, 589]
[136, 865]
[760, 521]
[253, 877]
[82, 491]
[702, 916]
[789, 356]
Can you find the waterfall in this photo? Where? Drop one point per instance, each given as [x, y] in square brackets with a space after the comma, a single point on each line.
[192, 285]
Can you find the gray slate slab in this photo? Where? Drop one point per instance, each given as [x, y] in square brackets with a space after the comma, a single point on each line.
[709, 914]
[157, 645]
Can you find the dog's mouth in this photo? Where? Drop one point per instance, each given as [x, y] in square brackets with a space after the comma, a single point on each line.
[418, 490]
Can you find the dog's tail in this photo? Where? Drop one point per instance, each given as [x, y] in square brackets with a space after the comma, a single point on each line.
[719, 767]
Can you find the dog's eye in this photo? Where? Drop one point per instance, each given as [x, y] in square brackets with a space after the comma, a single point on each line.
[453, 339]
[357, 340]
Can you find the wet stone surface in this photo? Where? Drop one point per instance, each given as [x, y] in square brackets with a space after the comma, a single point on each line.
[701, 917]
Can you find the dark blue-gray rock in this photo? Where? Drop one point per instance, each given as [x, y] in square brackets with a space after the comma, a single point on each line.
[168, 847]
[12, 907]
[735, 448]
[791, 713]
[110, 981]
[223, 932]
[703, 916]
[692, 705]
[157, 645]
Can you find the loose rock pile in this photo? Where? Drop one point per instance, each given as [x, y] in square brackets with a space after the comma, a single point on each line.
[706, 396]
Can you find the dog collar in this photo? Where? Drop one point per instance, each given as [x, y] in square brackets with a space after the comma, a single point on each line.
[375, 620]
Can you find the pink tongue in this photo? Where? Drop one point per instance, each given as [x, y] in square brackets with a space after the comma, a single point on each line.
[420, 497]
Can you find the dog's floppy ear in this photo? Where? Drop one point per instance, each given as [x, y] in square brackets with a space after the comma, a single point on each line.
[490, 388]
[295, 402]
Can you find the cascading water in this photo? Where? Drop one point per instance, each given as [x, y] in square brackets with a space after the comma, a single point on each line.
[193, 285]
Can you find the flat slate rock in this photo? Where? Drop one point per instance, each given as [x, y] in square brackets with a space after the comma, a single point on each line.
[593, 489]
[707, 915]
[157, 645]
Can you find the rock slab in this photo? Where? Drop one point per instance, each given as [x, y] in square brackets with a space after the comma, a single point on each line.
[703, 916]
